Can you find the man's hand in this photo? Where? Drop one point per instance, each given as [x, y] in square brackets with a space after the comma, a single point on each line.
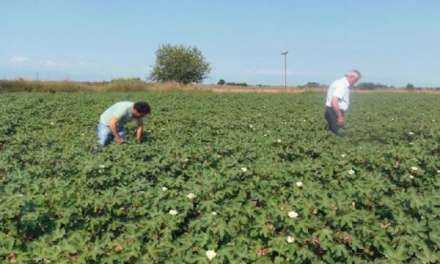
[341, 121]
[113, 125]
[139, 132]
[119, 140]
[339, 113]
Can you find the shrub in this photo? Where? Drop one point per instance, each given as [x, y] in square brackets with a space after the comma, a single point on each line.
[180, 63]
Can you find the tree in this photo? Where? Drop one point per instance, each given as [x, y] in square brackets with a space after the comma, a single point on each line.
[312, 85]
[237, 84]
[371, 86]
[410, 86]
[183, 64]
[221, 82]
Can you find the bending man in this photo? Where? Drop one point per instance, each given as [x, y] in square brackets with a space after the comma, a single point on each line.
[112, 121]
[338, 100]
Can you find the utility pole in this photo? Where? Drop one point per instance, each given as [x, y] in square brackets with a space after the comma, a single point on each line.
[284, 53]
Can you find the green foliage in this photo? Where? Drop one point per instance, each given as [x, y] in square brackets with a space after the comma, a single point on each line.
[371, 86]
[410, 86]
[312, 85]
[221, 82]
[372, 196]
[237, 84]
[181, 64]
[120, 85]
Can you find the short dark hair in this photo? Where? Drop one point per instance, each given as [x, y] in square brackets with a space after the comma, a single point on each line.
[142, 107]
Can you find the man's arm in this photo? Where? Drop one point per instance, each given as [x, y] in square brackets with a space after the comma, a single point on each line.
[339, 113]
[139, 131]
[113, 125]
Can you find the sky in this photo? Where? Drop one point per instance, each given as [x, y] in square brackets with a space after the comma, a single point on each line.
[392, 42]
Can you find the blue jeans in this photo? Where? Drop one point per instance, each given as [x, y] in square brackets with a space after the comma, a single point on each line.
[105, 135]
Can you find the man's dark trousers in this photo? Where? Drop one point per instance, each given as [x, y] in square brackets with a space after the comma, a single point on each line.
[332, 120]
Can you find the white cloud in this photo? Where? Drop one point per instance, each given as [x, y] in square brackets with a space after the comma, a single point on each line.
[71, 63]
[18, 60]
[49, 62]
[52, 63]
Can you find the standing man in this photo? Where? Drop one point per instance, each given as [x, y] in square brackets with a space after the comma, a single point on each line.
[338, 100]
[112, 121]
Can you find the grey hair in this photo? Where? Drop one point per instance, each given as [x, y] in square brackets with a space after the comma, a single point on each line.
[354, 73]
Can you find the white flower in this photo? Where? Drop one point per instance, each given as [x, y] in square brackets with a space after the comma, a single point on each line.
[351, 172]
[293, 214]
[214, 213]
[244, 169]
[299, 184]
[102, 166]
[411, 133]
[20, 195]
[210, 254]
[411, 177]
[251, 126]
[191, 196]
[164, 189]
[173, 212]
[343, 155]
[52, 123]
[438, 171]
[414, 168]
[290, 239]
[279, 141]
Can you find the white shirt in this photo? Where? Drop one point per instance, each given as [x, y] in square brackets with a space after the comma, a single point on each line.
[340, 89]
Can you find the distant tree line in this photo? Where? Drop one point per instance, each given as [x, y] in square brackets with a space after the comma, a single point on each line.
[380, 86]
[371, 86]
[223, 82]
[312, 85]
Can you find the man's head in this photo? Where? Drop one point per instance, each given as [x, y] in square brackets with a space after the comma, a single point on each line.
[141, 109]
[353, 77]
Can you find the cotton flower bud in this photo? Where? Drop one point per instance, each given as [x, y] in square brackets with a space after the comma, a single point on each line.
[290, 239]
[210, 254]
[191, 196]
[293, 214]
[173, 212]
